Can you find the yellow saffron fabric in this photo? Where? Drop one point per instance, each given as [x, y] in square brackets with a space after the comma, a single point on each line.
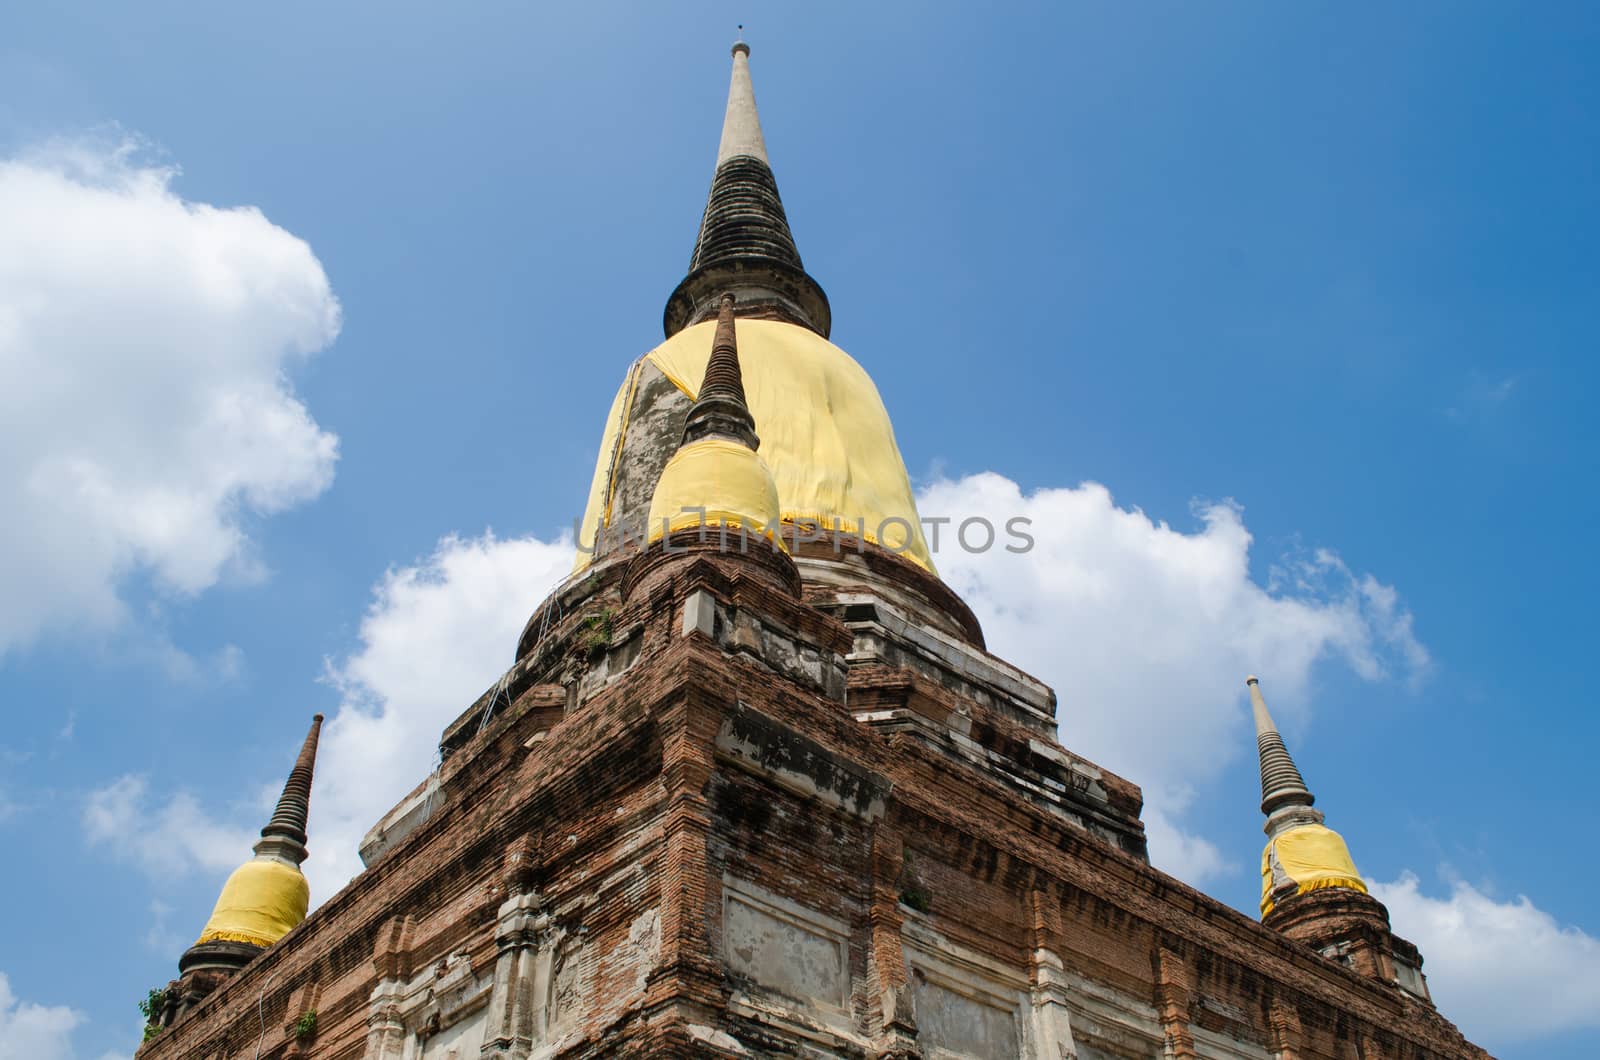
[1309, 856]
[598, 511]
[259, 904]
[825, 434]
[723, 477]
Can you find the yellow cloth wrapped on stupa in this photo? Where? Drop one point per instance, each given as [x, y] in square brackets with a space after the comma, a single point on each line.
[259, 904]
[825, 434]
[727, 480]
[1306, 857]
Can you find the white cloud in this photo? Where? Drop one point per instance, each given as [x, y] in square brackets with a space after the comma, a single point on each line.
[1178, 852]
[163, 840]
[29, 1031]
[144, 405]
[1505, 971]
[1147, 632]
[436, 635]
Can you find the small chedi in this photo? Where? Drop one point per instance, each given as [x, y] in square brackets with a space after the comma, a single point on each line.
[754, 786]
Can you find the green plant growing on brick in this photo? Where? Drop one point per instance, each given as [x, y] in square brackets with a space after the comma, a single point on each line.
[151, 1007]
[918, 898]
[596, 637]
[912, 893]
[306, 1026]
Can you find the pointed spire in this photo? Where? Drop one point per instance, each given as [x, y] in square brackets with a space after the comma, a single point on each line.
[265, 897]
[1281, 783]
[294, 805]
[744, 244]
[741, 125]
[1305, 858]
[720, 408]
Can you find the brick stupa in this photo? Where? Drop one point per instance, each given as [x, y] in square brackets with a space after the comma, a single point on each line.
[749, 794]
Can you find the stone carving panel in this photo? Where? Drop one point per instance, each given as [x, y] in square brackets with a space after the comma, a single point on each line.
[542, 980]
[1092, 1052]
[1111, 1025]
[458, 1041]
[438, 1014]
[955, 1022]
[970, 1006]
[567, 984]
[785, 947]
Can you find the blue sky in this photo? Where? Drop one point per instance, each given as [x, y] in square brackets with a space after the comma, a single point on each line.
[1314, 288]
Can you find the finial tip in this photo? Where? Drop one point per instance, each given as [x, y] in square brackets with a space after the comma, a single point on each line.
[316, 717]
[1252, 680]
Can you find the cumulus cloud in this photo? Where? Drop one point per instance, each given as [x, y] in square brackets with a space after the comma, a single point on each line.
[30, 1031]
[145, 410]
[1507, 971]
[1147, 632]
[163, 839]
[1176, 851]
[436, 635]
